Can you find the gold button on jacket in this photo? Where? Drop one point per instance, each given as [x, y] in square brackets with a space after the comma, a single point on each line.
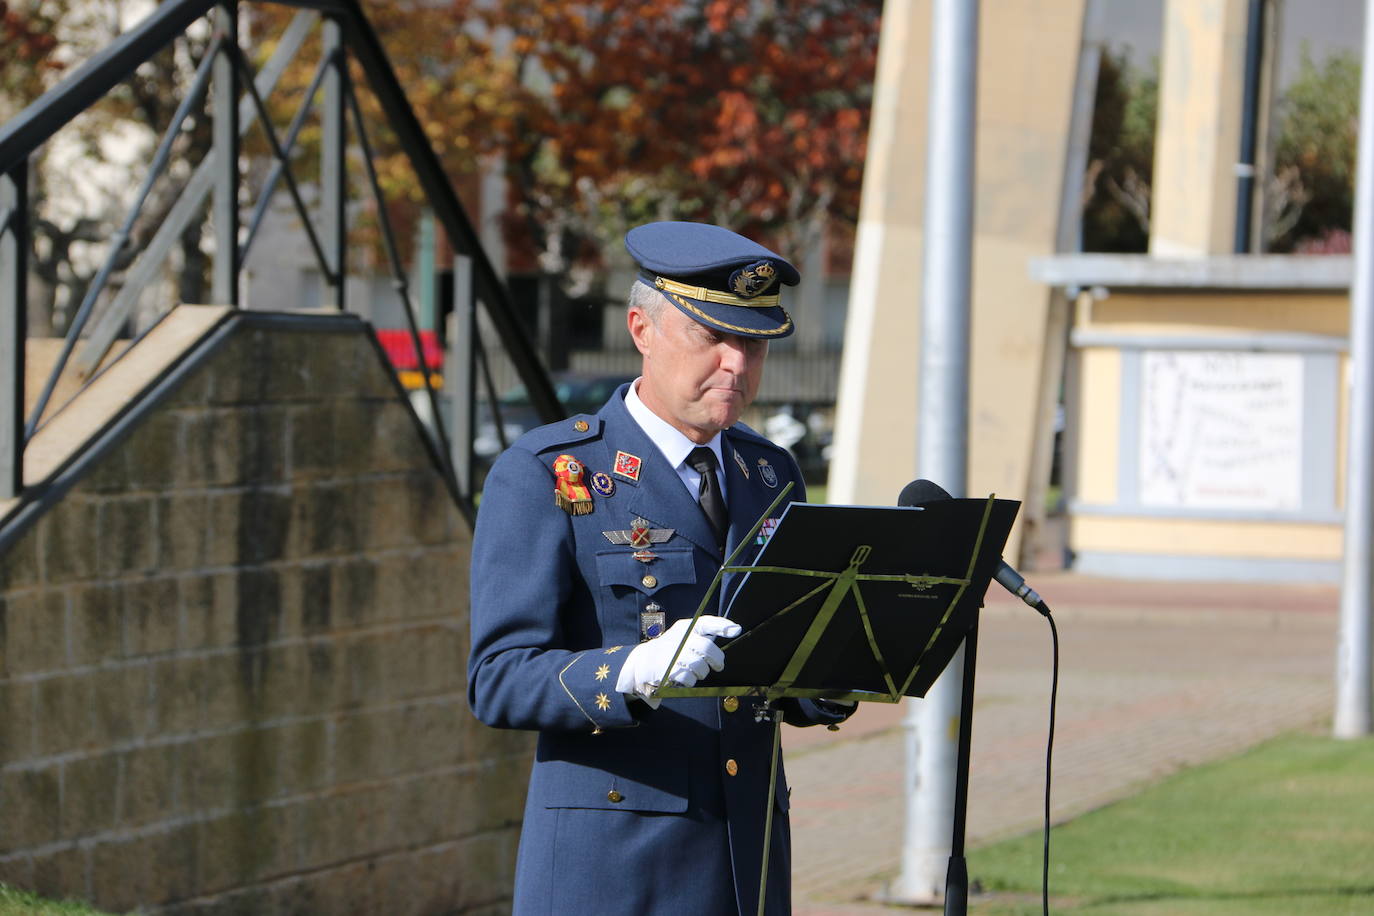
[731, 767]
[730, 704]
[614, 796]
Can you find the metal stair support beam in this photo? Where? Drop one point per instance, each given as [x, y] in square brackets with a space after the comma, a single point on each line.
[88, 83]
[400, 284]
[188, 205]
[269, 187]
[333, 170]
[224, 285]
[489, 290]
[14, 248]
[460, 375]
[193, 96]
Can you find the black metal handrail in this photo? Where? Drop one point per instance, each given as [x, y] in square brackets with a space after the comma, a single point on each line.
[347, 29]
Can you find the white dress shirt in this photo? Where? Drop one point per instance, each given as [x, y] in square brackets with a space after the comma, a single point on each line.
[673, 444]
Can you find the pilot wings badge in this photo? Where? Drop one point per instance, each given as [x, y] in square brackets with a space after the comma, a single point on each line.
[640, 535]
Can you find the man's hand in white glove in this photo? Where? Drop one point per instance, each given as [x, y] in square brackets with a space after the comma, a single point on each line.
[644, 667]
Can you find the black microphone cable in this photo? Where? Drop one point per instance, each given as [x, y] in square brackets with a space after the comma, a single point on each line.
[924, 491]
[1044, 610]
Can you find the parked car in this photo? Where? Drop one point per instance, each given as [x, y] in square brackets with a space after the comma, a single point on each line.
[578, 392]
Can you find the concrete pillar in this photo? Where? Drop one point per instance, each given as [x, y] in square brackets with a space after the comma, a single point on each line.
[807, 305]
[1193, 199]
[1027, 67]
[875, 425]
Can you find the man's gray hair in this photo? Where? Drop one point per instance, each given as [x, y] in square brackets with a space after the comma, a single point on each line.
[645, 297]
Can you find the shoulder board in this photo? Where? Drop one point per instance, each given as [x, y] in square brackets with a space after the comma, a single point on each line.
[579, 428]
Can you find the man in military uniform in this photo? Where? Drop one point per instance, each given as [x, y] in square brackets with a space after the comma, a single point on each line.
[596, 541]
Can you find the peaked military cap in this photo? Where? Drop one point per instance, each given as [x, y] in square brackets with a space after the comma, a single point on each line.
[715, 276]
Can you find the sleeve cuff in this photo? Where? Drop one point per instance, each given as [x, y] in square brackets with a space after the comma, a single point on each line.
[589, 680]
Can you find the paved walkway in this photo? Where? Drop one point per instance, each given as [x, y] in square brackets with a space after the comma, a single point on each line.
[1154, 677]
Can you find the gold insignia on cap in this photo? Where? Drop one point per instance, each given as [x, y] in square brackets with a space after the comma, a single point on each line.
[613, 650]
[603, 672]
[750, 281]
[603, 702]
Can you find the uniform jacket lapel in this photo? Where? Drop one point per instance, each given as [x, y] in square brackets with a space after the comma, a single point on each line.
[748, 496]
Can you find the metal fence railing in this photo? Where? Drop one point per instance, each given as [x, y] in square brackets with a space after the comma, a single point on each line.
[237, 99]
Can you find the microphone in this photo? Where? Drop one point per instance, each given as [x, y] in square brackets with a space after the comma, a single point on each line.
[927, 491]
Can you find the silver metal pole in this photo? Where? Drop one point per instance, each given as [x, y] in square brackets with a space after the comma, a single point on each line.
[1353, 684]
[942, 424]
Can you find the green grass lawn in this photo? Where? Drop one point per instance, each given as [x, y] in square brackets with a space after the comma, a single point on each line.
[21, 903]
[1286, 828]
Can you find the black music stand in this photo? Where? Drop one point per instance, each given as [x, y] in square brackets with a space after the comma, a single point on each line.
[861, 603]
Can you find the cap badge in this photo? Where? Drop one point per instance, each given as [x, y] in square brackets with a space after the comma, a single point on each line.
[743, 467]
[603, 484]
[640, 535]
[769, 475]
[627, 466]
[754, 280]
[569, 492]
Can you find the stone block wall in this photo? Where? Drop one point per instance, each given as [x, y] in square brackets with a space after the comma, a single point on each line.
[232, 657]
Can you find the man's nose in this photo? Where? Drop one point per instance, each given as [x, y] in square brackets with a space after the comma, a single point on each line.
[734, 355]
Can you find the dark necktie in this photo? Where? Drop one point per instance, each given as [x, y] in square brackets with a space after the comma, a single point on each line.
[703, 460]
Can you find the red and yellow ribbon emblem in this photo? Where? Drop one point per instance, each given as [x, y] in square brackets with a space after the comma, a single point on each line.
[570, 493]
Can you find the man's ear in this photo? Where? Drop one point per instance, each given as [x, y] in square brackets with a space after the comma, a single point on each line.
[641, 328]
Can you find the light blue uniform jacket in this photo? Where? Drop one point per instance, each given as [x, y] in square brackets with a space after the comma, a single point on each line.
[630, 810]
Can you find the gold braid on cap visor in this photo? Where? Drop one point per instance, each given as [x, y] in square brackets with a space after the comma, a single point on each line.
[711, 295]
[733, 328]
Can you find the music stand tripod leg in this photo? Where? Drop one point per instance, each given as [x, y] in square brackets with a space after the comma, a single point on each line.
[776, 715]
[956, 876]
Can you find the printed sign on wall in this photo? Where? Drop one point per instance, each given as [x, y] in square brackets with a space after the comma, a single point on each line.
[1221, 430]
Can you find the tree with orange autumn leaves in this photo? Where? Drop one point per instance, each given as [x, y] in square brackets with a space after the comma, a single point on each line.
[603, 114]
[748, 113]
[26, 45]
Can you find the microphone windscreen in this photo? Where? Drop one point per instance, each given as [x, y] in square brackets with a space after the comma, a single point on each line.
[922, 491]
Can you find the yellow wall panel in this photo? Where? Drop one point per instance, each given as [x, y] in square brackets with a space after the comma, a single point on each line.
[1205, 537]
[1099, 430]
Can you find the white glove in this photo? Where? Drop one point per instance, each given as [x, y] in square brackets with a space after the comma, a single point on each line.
[647, 661]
